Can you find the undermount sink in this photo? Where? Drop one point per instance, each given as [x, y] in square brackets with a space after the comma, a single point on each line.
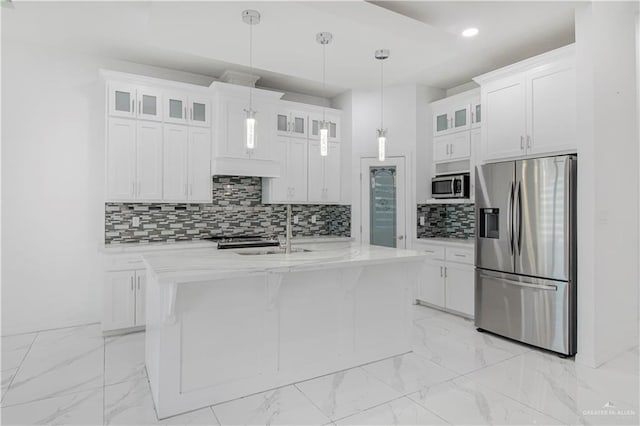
[268, 250]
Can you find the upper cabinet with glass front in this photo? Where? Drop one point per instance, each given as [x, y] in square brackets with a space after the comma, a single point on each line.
[291, 122]
[132, 101]
[455, 114]
[184, 108]
[333, 125]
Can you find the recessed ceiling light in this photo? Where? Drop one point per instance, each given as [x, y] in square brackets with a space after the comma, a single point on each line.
[470, 32]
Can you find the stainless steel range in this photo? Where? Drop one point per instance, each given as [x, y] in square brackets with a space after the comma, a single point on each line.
[247, 241]
[526, 264]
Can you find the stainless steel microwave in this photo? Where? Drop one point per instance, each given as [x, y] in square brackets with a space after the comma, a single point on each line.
[450, 186]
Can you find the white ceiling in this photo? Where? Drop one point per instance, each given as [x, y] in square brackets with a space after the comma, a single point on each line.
[210, 37]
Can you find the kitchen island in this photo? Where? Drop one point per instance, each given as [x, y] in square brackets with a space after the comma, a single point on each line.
[222, 324]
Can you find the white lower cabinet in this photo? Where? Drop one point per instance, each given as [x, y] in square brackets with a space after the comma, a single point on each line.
[447, 278]
[123, 299]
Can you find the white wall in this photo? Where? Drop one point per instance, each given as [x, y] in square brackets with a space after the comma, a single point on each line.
[608, 177]
[52, 184]
[344, 102]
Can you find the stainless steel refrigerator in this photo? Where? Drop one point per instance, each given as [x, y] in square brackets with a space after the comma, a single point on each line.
[526, 251]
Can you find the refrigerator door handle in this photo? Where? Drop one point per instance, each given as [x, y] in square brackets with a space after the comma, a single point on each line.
[521, 284]
[510, 218]
[519, 215]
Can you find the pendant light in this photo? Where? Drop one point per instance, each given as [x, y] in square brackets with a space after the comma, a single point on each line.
[381, 55]
[324, 39]
[251, 17]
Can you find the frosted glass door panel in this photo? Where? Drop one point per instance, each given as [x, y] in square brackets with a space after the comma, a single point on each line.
[299, 126]
[476, 114]
[176, 109]
[282, 124]
[383, 206]
[460, 118]
[149, 104]
[122, 100]
[441, 124]
[199, 113]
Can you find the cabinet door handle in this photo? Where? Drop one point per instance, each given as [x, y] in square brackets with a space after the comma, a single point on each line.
[140, 107]
[133, 106]
[138, 283]
[451, 149]
[132, 283]
[521, 142]
[447, 149]
[528, 141]
[472, 117]
[191, 114]
[445, 272]
[185, 114]
[441, 275]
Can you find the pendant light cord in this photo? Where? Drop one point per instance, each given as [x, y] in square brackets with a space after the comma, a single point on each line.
[381, 93]
[324, 80]
[251, 62]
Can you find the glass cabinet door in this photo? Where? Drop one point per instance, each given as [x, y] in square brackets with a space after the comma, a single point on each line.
[334, 128]
[298, 124]
[122, 100]
[282, 123]
[461, 118]
[476, 114]
[441, 124]
[175, 108]
[149, 104]
[199, 111]
[314, 127]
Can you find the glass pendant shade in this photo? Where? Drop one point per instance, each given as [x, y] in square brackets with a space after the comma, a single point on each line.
[324, 136]
[382, 139]
[251, 129]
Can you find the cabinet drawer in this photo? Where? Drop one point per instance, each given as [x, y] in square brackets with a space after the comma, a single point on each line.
[460, 255]
[432, 251]
[124, 262]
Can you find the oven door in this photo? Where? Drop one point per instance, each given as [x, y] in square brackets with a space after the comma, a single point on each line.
[443, 187]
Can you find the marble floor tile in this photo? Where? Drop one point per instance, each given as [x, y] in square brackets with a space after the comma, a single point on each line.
[402, 411]
[409, 372]
[59, 362]
[14, 348]
[347, 392]
[124, 358]
[82, 408]
[461, 349]
[130, 403]
[419, 312]
[7, 376]
[464, 402]
[283, 406]
[563, 389]
[627, 362]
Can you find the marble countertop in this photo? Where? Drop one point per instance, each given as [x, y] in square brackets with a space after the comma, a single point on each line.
[459, 242]
[183, 245]
[211, 264]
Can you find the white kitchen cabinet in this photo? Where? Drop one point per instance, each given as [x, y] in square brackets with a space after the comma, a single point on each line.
[333, 126]
[453, 147]
[187, 156]
[447, 278]
[291, 187]
[459, 288]
[141, 285]
[187, 108]
[199, 165]
[148, 161]
[324, 174]
[291, 122]
[123, 299]
[131, 101]
[451, 118]
[476, 114]
[176, 163]
[529, 108]
[121, 159]
[149, 104]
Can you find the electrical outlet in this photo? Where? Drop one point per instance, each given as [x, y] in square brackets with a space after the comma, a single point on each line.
[313, 218]
[421, 220]
[135, 222]
[295, 219]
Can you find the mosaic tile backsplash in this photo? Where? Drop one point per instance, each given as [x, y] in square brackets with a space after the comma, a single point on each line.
[447, 221]
[236, 209]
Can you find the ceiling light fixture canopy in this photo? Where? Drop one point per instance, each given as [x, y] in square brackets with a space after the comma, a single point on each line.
[381, 55]
[324, 38]
[250, 17]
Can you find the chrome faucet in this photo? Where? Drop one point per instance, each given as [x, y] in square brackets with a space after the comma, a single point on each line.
[287, 247]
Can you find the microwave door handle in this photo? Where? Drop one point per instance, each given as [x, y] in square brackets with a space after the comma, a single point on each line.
[453, 187]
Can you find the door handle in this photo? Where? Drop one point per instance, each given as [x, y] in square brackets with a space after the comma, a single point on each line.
[441, 275]
[139, 107]
[447, 149]
[519, 215]
[133, 106]
[510, 218]
[521, 142]
[528, 141]
[138, 283]
[451, 149]
[520, 284]
[445, 272]
[131, 283]
[472, 117]
[401, 237]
